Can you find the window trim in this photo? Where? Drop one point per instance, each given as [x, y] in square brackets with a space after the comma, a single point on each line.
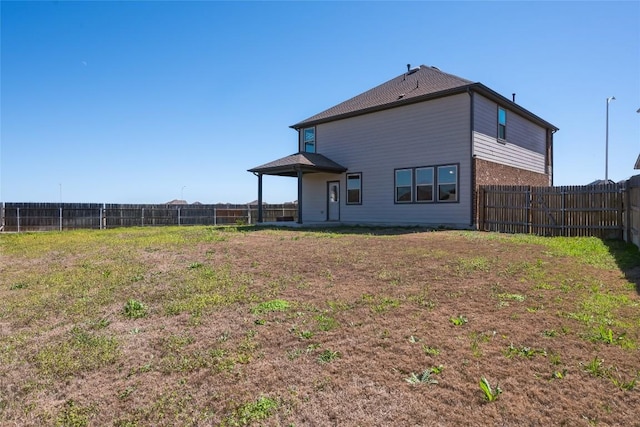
[359, 175]
[304, 141]
[395, 186]
[436, 184]
[502, 126]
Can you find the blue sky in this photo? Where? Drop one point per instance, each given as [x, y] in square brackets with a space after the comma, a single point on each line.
[145, 102]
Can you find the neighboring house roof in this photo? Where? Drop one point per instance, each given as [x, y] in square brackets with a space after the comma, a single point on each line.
[602, 182]
[305, 162]
[637, 165]
[416, 85]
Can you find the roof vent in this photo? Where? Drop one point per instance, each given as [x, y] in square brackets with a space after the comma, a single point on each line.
[435, 68]
[412, 70]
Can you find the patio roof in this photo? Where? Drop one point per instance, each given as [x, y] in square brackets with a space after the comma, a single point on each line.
[303, 162]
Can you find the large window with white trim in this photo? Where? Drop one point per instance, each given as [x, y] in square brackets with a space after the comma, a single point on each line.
[354, 188]
[427, 184]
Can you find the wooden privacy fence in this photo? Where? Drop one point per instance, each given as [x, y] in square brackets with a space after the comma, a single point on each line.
[632, 211]
[553, 211]
[19, 217]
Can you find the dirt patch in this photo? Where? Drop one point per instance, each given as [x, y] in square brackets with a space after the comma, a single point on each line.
[366, 311]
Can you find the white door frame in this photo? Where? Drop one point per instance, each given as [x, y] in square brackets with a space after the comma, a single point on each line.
[333, 200]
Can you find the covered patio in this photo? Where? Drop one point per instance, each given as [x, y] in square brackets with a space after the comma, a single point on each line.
[295, 165]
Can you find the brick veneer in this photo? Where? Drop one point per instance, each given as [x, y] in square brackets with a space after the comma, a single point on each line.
[490, 173]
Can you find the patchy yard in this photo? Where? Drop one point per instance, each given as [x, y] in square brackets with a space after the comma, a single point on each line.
[239, 326]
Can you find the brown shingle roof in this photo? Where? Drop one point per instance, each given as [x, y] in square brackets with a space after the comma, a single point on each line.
[417, 83]
[306, 162]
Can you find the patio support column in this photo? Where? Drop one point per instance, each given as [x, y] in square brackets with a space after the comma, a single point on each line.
[259, 198]
[299, 196]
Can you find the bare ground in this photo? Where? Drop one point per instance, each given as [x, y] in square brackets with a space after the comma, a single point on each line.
[378, 305]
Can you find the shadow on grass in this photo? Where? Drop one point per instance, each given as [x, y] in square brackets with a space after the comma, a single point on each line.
[346, 229]
[627, 256]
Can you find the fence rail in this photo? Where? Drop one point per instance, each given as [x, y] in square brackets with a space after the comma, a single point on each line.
[21, 217]
[553, 211]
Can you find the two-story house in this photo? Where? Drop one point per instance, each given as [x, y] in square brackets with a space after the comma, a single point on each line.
[413, 151]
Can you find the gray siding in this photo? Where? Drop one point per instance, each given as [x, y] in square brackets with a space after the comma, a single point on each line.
[486, 148]
[520, 131]
[314, 195]
[424, 134]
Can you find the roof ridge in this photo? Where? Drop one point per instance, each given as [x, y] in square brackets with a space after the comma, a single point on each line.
[426, 80]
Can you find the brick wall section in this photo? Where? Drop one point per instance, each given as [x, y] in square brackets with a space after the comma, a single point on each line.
[490, 173]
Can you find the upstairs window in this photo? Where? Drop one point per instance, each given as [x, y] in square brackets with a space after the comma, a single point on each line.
[404, 186]
[309, 140]
[502, 123]
[354, 188]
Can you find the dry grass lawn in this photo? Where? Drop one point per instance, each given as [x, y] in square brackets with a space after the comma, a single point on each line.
[201, 326]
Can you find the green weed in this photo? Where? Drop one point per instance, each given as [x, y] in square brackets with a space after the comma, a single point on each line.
[523, 351]
[490, 393]
[134, 309]
[73, 415]
[430, 351]
[328, 356]
[458, 321]
[478, 338]
[511, 297]
[627, 385]
[380, 304]
[467, 266]
[326, 323]
[271, 306]
[426, 377]
[595, 367]
[263, 408]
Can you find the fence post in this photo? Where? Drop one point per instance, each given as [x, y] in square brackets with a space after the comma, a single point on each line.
[18, 216]
[60, 218]
[248, 214]
[627, 207]
[563, 209]
[528, 207]
[178, 216]
[483, 206]
[215, 219]
[143, 217]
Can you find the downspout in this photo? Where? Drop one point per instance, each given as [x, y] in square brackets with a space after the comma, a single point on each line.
[474, 195]
[550, 151]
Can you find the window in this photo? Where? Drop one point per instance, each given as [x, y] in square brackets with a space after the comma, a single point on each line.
[447, 183]
[404, 186]
[502, 123]
[354, 188]
[424, 185]
[309, 140]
